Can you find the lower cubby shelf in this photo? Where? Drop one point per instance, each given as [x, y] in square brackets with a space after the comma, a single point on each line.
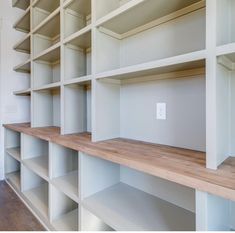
[14, 152]
[64, 217]
[14, 179]
[36, 190]
[127, 208]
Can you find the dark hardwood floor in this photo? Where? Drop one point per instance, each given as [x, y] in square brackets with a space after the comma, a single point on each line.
[14, 215]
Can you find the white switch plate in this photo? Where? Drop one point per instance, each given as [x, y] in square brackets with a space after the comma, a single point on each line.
[161, 111]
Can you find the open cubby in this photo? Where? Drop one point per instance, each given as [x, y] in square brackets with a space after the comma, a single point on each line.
[64, 170]
[126, 199]
[13, 144]
[77, 56]
[115, 51]
[225, 19]
[21, 4]
[23, 45]
[46, 108]
[42, 9]
[47, 35]
[12, 171]
[128, 110]
[46, 73]
[77, 15]
[23, 23]
[64, 211]
[77, 99]
[35, 155]
[36, 190]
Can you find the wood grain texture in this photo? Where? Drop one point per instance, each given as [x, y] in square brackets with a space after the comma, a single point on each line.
[178, 165]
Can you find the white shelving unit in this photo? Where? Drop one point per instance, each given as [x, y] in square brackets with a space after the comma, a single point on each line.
[101, 66]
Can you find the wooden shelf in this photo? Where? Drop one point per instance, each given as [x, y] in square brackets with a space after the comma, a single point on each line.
[80, 80]
[82, 7]
[51, 86]
[67, 222]
[14, 179]
[24, 67]
[14, 152]
[125, 208]
[26, 92]
[143, 12]
[22, 4]
[23, 24]
[194, 60]
[68, 184]
[39, 165]
[39, 199]
[46, 5]
[178, 165]
[24, 45]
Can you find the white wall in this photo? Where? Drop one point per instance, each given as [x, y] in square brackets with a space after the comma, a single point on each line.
[12, 109]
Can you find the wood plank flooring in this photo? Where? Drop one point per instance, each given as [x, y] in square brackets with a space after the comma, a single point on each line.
[14, 215]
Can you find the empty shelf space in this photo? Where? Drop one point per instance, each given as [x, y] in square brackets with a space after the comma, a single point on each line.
[190, 61]
[78, 55]
[47, 110]
[50, 27]
[64, 217]
[65, 170]
[24, 45]
[67, 222]
[26, 92]
[12, 169]
[43, 9]
[68, 184]
[136, 14]
[39, 165]
[23, 24]
[77, 108]
[14, 179]
[39, 199]
[126, 208]
[24, 67]
[77, 15]
[51, 55]
[14, 152]
[22, 4]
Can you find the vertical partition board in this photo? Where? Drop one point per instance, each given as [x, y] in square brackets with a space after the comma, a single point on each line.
[212, 213]
[211, 94]
[232, 114]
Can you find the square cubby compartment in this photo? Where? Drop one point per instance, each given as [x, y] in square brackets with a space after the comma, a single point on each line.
[64, 170]
[63, 211]
[12, 143]
[42, 9]
[77, 108]
[46, 73]
[12, 171]
[46, 108]
[77, 15]
[36, 191]
[77, 55]
[126, 199]
[35, 155]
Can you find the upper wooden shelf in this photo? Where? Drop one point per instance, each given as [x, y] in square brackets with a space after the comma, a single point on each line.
[22, 4]
[82, 7]
[23, 67]
[23, 24]
[138, 13]
[182, 166]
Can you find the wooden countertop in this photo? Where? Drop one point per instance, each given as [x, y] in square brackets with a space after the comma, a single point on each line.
[182, 166]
